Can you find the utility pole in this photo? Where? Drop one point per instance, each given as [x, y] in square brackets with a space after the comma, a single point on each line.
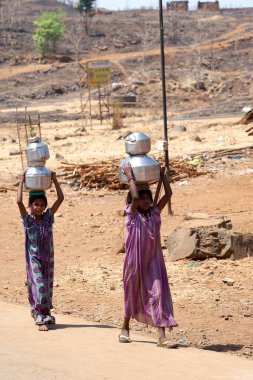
[165, 127]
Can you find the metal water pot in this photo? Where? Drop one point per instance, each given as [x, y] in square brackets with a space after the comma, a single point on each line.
[145, 169]
[36, 150]
[137, 143]
[38, 178]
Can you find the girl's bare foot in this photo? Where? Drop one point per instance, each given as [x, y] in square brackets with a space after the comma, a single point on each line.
[163, 341]
[43, 328]
[167, 344]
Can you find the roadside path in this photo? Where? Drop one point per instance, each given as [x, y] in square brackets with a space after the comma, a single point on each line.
[78, 350]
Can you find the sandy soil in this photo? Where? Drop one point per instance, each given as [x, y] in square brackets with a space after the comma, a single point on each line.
[89, 227]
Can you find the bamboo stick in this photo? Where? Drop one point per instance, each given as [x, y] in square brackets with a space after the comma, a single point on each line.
[19, 142]
[26, 134]
[39, 125]
[249, 128]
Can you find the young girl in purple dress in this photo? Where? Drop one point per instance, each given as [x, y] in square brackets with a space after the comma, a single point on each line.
[39, 251]
[146, 289]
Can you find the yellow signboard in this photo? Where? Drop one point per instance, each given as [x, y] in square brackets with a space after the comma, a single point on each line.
[98, 73]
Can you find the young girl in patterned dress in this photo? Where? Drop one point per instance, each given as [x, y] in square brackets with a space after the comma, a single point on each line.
[146, 289]
[39, 251]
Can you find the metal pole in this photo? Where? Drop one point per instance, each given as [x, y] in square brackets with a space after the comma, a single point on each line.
[166, 153]
[165, 127]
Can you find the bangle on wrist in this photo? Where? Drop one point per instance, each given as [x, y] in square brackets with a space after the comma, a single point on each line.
[130, 179]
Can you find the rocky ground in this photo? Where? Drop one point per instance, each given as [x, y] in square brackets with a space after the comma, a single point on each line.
[208, 58]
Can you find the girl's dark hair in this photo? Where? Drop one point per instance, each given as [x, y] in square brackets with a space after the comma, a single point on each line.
[140, 192]
[34, 197]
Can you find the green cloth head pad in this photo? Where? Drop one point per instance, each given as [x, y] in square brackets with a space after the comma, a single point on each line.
[36, 193]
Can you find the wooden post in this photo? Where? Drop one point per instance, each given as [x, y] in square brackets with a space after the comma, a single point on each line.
[31, 126]
[39, 125]
[19, 143]
[100, 106]
[26, 134]
[90, 107]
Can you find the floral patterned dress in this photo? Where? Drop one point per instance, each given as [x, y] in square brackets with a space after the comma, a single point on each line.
[39, 253]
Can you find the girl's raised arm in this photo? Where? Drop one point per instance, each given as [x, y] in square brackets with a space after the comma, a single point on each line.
[168, 192]
[20, 203]
[127, 169]
[60, 196]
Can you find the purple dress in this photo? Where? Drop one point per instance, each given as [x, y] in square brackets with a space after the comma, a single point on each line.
[39, 252]
[146, 288]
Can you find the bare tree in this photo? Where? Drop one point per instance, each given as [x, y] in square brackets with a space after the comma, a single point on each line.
[75, 36]
[8, 19]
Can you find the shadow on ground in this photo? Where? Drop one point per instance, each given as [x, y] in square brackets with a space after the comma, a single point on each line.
[69, 326]
[224, 347]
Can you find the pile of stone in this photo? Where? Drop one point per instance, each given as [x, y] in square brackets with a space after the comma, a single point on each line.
[202, 236]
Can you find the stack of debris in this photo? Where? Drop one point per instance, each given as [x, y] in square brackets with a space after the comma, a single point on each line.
[96, 175]
[248, 119]
[104, 174]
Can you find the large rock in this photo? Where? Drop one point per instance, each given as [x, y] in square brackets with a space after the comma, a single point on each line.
[199, 243]
[242, 245]
[195, 220]
[202, 236]
[182, 244]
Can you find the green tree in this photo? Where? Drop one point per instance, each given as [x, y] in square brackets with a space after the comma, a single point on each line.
[85, 7]
[49, 30]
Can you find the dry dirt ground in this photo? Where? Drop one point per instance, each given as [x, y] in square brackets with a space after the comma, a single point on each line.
[89, 227]
[92, 351]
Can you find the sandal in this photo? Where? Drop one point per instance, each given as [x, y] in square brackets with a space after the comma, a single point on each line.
[40, 320]
[167, 344]
[124, 339]
[50, 320]
[33, 314]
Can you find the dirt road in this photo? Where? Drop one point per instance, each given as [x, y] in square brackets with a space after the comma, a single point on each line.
[77, 349]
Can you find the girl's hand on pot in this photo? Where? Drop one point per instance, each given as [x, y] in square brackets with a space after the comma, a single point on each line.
[163, 170]
[127, 170]
[53, 176]
[22, 176]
